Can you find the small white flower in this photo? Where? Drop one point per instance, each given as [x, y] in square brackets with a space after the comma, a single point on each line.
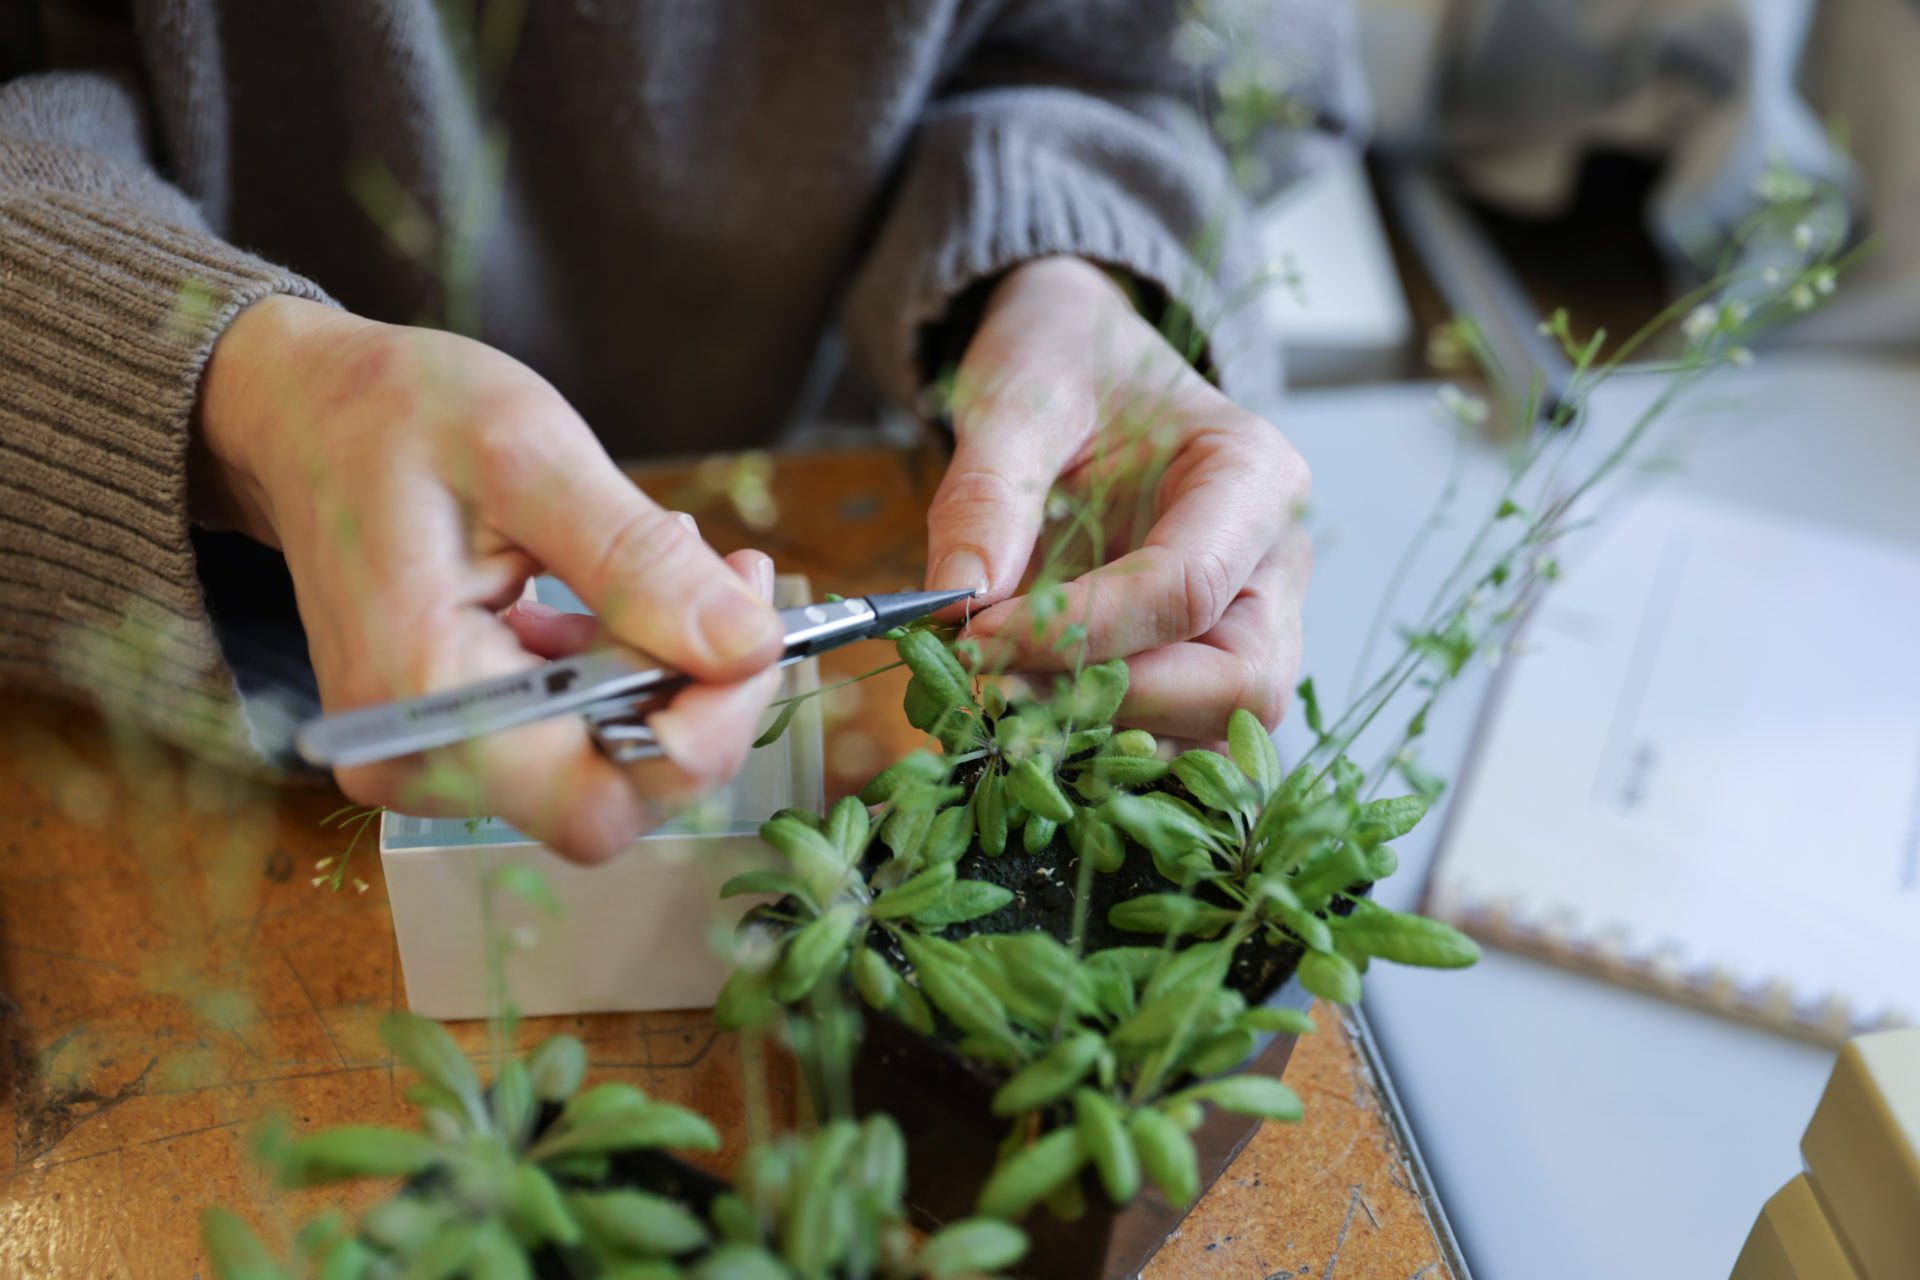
[1734, 313]
[1800, 297]
[1823, 281]
[317, 881]
[359, 885]
[323, 864]
[1700, 322]
[525, 937]
[1770, 275]
[1467, 410]
[1803, 237]
[1739, 356]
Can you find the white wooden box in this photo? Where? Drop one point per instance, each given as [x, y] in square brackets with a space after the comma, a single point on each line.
[644, 930]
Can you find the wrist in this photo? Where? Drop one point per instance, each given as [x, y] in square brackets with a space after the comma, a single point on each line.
[248, 379]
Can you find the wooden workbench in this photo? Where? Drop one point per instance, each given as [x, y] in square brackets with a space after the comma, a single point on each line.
[170, 979]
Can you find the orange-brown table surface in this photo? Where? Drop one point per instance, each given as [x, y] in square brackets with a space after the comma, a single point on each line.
[170, 979]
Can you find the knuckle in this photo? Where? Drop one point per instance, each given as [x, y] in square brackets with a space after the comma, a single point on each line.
[972, 492]
[644, 536]
[1207, 587]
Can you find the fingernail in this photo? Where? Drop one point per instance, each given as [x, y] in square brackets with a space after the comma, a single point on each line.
[693, 526]
[735, 622]
[763, 576]
[534, 609]
[961, 570]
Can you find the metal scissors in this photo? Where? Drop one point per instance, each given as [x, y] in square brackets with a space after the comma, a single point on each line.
[614, 689]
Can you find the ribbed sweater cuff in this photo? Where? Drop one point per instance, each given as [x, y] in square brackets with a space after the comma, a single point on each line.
[107, 317]
[984, 196]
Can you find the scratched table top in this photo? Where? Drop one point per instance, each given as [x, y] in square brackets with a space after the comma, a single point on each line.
[171, 981]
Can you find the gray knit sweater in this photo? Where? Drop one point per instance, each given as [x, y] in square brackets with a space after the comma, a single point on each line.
[660, 205]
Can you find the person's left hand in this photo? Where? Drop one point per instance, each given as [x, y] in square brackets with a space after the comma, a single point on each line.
[1066, 388]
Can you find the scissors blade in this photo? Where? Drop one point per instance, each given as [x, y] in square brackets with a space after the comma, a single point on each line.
[601, 682]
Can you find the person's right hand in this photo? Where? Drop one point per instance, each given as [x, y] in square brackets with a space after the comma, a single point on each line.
[415, 481]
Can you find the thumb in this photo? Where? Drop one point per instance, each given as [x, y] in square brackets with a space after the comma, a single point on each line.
[988, 512]
[654, 584]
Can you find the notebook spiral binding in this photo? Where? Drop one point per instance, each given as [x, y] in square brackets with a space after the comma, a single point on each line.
[1564, 937]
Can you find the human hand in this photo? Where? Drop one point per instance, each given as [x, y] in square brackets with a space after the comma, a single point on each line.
[1066, 387]
[415, 481]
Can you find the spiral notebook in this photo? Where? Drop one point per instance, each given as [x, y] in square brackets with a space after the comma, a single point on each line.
[1702, 773]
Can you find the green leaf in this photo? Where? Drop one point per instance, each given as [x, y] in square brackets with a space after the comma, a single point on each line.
[918, 893]
[937, 669]
[1331, 976]
[880, 1162]
[236, 1253]
[1200, 968]
[905, 833]
[638, 1222]
[990, 813]
[954, 990]
[921, 766]
[780, 723]
[1106, 774]
[357, 1151]
[1281, 901]
[1136, 744]
[348, 1258]
[1181, 844]
[1327, 871]
[1081, 740]
[1277, 1018]
[620, 1124]
[966, 900]
[1408, 939]
[1103, 1132]
[536, 1209]
[815, 859]
[745, 1000]
[496, 1255]
[812, 949]
[740, 1262]
[1310, 707]
[1037, 836]
[512, 1098]
[1094, 839]
[1032, 1174]
[1216, 782]
[1171, 914]
[848, 829]
[1253, 750]
[1032, 784]
[1427, 785]
[1391, 818]
[1050, 1077]
[446, 1255]
[1249, 1095]
[950, 834]
[1166, 1154]
[765, 880]
[425, 1046]
[1036, 975]
[911, 1008]
[1222, 1051]
[971, 1246]
[557, 1067]
[1095, 695]
[809, 1237]
[878, 983]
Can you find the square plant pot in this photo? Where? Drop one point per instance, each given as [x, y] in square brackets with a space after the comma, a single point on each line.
[943, 1105]
[636, 932]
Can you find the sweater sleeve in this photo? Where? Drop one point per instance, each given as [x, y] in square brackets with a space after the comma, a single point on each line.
[112, 292]
[1093, 129]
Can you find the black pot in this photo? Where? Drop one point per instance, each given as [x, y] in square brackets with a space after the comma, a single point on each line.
[941, 1103]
